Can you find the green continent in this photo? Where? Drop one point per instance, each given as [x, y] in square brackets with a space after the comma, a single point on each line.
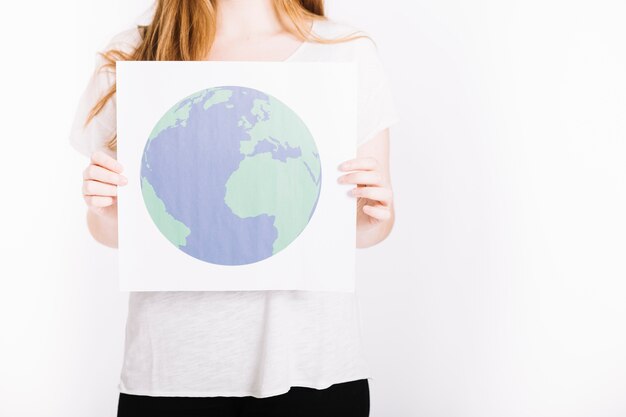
[219, 96]
[277, 121]
[263, 185]
[174, 230]
[177, 115]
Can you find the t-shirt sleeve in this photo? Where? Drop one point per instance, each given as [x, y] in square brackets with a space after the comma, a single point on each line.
[101, 129]
[95, 135]
[376, 109]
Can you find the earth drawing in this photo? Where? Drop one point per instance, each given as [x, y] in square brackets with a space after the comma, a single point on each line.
[230, 175]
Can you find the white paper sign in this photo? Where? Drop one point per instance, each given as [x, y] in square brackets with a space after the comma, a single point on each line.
[232, 170]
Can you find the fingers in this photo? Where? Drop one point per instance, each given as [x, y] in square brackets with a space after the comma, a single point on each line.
[383, 195]
[98, 173]
[366, 163]
[100, 181]
[102, 159]
[362, 177]
[377, 211]
[98, 188]
[373, 186]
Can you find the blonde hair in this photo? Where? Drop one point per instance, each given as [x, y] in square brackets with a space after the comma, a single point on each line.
[184, 30]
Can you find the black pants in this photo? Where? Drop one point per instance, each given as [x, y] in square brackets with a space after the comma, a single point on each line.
[346, 399]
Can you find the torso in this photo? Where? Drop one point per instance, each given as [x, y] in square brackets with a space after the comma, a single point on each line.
[241, 343]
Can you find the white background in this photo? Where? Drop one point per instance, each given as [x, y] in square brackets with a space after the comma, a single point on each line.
[500, 292]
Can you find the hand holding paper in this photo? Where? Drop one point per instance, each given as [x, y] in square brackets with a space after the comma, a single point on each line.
[374, 193]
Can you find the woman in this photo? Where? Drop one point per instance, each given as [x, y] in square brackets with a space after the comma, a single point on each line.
[222, 353]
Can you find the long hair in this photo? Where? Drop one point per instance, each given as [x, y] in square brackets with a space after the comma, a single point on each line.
[184, 30]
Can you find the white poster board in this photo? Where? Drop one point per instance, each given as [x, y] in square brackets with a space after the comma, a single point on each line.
[232, 175]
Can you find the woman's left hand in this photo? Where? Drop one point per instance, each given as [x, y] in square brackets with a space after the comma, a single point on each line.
[373, 191]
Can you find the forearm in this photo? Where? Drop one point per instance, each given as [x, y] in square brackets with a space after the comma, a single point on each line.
[372, 235]
[103, 228]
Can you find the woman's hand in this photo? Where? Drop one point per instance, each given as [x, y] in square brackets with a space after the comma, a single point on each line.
[100, 181]
[373, 192]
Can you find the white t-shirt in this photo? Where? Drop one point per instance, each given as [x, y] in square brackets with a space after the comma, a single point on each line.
[241, 343]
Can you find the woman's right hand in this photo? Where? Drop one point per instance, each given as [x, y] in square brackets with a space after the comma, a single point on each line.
[100, 181]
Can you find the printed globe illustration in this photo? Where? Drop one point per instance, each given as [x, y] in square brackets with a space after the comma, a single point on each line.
[230, 175]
